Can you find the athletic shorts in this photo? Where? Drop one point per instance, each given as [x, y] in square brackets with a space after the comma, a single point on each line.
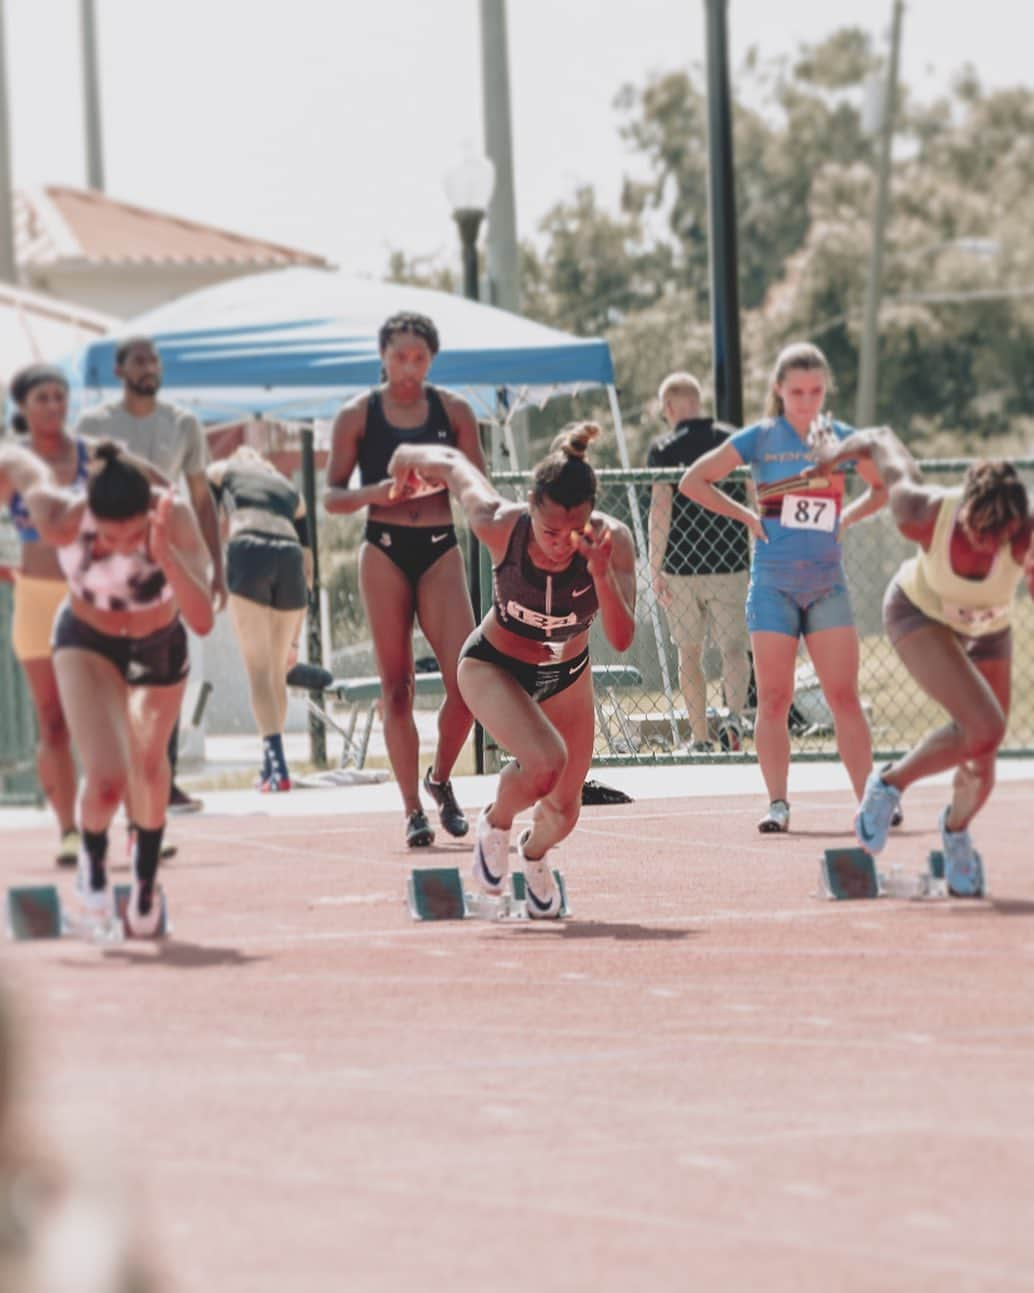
[797, 614]
[902, 616]
[36, 604]
[159, 660]
[267, 569]
[413, 548]
[540, 681]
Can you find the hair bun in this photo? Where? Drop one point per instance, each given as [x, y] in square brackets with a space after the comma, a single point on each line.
[575, 439]
[107, 451]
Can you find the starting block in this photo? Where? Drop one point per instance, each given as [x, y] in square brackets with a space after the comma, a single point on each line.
[437, 893]
[847, 874]
[35, 912]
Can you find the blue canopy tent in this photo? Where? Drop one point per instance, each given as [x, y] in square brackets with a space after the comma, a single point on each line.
[295, 344]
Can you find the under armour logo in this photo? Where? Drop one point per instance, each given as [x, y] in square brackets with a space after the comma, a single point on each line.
[135, 670]
[385, 540]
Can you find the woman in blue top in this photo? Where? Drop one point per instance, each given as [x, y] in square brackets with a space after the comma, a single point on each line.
[797, 584]
[41, 393]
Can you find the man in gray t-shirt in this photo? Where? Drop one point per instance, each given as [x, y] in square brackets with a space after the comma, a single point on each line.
[168, 437]
[172, 440]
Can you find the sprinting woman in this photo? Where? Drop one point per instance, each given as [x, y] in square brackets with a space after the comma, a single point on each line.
[947, 614]
[524, 672]
[41, 395]
[136, 568]
[268, 574]
[797, 584]
[409, 565]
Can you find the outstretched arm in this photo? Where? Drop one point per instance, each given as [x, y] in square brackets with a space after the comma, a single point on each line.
[490, 516]
[882, 459]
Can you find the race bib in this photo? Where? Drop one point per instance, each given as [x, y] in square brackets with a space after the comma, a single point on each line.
[971, 619]
[800, 512]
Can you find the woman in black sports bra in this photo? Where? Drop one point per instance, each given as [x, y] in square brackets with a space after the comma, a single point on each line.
[525, 671]
[409, 564]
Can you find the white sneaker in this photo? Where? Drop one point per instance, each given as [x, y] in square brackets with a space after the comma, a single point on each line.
[91, 886]
[540, 887]
[491, 855]
[777, 820]
[144, 909]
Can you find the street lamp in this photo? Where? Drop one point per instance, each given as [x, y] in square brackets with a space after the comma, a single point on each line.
[468, 187]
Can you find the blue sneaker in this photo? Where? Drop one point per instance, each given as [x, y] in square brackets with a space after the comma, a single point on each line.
[875, 813]
[963, 868]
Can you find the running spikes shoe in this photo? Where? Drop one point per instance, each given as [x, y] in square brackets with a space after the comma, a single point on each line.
[875, 813]
[419, 834]
[449, 812]
[274, 783]
[777, 820]
[541, 891]
[963, 868]
[68, 850]
[491, 856]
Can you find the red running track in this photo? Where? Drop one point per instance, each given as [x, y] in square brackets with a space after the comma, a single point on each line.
[707, 1079]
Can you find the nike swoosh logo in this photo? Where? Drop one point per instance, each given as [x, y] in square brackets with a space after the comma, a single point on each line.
[867, 836]
[437, 538]
[577, 668]
[492, 879]
[580, 592]
[529, 892]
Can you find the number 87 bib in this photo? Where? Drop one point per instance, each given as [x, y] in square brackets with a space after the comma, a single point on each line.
[801, 512]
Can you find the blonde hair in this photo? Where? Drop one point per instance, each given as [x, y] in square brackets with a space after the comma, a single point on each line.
[564, 475]
[246, 453]
[801, 354]
[679, 384]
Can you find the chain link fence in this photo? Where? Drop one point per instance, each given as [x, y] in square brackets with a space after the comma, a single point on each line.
[658, 718]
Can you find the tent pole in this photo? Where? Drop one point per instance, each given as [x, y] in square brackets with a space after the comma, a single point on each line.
[317, 729]
[641, 546]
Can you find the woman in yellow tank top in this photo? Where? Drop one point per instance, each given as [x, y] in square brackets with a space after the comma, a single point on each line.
[947, 615]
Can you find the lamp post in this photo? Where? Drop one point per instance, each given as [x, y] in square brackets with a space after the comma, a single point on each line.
[468, 187]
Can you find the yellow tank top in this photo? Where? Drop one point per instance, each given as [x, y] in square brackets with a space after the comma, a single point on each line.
[975, 607]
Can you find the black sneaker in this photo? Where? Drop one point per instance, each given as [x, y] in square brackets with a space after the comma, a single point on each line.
[449, 812]
[181, 802]
[419, 834]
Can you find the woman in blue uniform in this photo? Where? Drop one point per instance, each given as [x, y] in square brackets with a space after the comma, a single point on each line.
[797, 584]
[41, 394]
[409, 565]
[524, 671]
[136, 567]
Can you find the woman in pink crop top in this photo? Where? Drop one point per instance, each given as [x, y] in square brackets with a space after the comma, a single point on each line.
[975, 547]
[137, 571]
[524, 671]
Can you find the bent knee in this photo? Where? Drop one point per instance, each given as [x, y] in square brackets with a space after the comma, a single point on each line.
[106, 788]
[397, 694]
[984, 737]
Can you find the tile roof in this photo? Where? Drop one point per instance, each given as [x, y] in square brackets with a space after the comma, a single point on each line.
[60, 225]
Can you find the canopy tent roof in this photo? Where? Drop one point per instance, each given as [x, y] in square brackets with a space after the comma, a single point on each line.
[297, 342]
[34, 328]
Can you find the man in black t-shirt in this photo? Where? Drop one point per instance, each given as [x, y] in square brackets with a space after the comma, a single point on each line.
[699, 561]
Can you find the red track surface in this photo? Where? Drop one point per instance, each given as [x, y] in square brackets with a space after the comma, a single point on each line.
[706, 1079]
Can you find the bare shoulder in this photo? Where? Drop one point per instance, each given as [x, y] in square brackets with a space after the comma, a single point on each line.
[351, 417]
[624, 544]
[454, 404]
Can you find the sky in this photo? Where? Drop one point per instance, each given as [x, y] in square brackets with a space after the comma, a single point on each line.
[328, 125]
